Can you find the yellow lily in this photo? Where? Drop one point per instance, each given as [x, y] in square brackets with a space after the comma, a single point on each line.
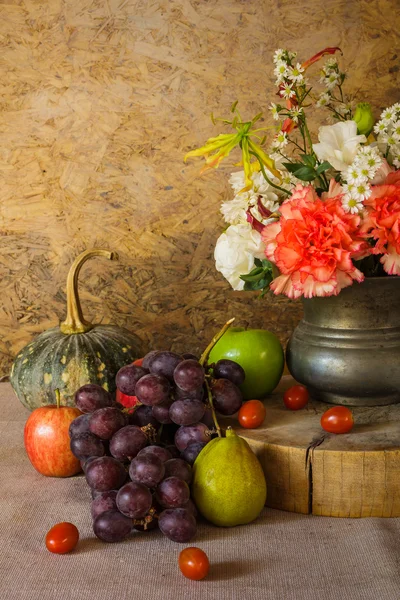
[218, 148]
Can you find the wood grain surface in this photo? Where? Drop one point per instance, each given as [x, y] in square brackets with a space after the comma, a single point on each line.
[100, 101]
[311, 471]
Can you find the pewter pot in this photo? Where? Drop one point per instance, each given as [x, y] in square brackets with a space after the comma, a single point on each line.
[346, 350]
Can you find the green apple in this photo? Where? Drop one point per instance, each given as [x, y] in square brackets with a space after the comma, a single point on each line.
[258, 352]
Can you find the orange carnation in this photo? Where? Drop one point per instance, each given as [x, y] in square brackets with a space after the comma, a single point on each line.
[382, 222]
[312, 245]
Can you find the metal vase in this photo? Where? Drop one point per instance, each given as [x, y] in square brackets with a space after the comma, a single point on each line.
[346, 350]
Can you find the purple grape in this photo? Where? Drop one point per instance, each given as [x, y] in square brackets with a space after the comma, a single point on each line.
[127, 377]
[111, 526]
[85, 445]
[228, 369]
[152, 389]
[148, 358]
[143, 416]
[197, 394]
[104, 501]
[176, 467]
[164, 363]
[127, 442]
[161, 412]
[172, 493]
[186, 412]
[106, 421]
[91, 397]
[79, 425]
[178, 525]
[147, 469]
[189, 375]
[192, 451]
[198, 432]
[134, 500]
[191, 507]
[85, 463]
[163, 454]
[105, 474]
[207, 418]
[227, 397]
[173, 450]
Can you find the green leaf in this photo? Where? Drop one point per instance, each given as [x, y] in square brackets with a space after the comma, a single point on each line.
[258, 262]
[257, 118]
[308, 160]
[292, 167]
[323, 167]
[234, 105]
[305, 173]
[255, 275]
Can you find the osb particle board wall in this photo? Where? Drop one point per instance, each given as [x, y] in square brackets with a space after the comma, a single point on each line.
[100, 100]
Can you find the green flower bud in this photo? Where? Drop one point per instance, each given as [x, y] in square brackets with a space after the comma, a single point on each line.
[364, 118]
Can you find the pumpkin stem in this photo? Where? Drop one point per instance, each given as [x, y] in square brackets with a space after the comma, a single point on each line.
[75, 323]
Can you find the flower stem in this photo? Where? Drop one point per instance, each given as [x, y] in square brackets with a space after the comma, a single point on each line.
[217, 336]
[281, 189]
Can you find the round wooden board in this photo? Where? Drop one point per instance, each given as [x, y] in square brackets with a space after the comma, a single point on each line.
[311, 471]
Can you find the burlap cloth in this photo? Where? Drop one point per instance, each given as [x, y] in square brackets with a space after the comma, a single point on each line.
[281, 556]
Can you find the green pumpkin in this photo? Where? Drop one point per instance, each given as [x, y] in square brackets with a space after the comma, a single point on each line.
[75, 353]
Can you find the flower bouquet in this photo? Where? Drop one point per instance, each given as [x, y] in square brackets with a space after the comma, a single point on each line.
[309, 218]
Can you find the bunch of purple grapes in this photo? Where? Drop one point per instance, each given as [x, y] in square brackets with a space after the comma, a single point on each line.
[138, 464]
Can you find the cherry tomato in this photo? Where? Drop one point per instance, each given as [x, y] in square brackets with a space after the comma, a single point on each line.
[194, 563]
[138, 362]
[251, 414]
[338, 419]
[125, 400]
[296, 397]
[62, 538]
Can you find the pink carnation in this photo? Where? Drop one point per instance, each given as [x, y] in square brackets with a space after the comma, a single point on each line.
[312, 245]
[382, 222]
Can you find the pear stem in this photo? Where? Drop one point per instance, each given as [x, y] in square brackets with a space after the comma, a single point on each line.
[217, 336]
[58, 398]
[214, 416]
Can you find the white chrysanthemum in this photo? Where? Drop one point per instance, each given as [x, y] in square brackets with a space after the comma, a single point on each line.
[280, 141]
[281, 69]
[296, 73]
[324, 100]
[331, 63]
[354, 176]
[278, 55]
[275, 111]
[380, 127]
[295, 114]
[339, 144]
[352, 205]
[234, 211]
[361, 191]
[235, 252]
[388, 115]
[331, 80]
[287, 91]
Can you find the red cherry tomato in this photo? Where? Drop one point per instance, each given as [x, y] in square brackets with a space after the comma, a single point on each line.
[62, 538]
[138, 362]
[338, 419]
[194, 563]
[125, 400]
[251, 414]
[296, 397]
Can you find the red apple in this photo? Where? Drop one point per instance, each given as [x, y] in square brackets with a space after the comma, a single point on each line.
[46, 440]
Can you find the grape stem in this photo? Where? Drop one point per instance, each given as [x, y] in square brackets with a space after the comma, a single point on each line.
[214, 416]
[217, 336]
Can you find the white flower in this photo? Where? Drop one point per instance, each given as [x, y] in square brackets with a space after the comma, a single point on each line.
[295, 114]
[275, 111]
[296, 73]
[281, 69]
[361, 191]
[387, 115]
[324, 99]
[380, 127]
[351, 205]
[353, 175]
[339, 144]
[235, 251]
[280, 141]
[331, 63]
[234, 211]
[287, 91]
[278, 55]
